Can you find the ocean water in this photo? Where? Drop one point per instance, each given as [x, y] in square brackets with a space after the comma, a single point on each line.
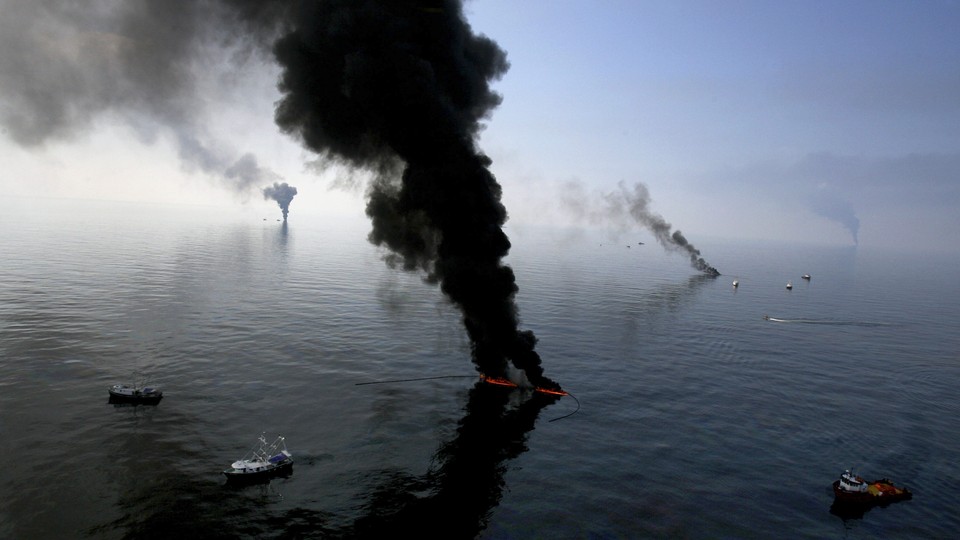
[691, 415]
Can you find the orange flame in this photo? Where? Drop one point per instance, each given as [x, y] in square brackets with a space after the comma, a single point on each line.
[500, 381]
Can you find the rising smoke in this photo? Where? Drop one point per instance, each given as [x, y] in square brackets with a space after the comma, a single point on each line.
[625, 207]
[400, 88]
[835, 208]
[397, 88]
[64, 66]
[282, 193]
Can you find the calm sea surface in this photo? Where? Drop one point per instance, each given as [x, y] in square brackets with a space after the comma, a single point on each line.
[697, 417]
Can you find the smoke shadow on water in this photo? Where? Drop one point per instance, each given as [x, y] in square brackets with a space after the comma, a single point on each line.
[454, 499]
[467, 481]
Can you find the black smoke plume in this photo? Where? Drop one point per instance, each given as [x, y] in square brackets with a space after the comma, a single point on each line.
[399, 88]
[635, 203]
[282, 193]
[638, 203]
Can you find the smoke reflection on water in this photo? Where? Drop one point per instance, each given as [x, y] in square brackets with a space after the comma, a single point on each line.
[467, 481]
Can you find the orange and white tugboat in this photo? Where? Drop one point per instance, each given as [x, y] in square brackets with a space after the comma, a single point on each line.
[851, 489]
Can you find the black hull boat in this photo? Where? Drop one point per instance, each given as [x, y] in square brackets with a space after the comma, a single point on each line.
[853, 495]
[263, 462]
[135, 394]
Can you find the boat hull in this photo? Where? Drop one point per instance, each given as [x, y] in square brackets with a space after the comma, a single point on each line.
[145, 398]
[284, 468]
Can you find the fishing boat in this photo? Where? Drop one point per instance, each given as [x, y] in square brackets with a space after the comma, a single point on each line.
[789, 285]
[262, 462]
[806, 277]
[851, 489]
[136, 393]
[736, 283]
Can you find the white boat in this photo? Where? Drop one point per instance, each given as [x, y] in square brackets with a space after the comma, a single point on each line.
[789, 285]
[135, 393]
[736, 283]
[806, 277]
[262, 461]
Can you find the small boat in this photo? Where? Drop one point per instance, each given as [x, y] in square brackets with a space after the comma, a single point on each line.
[262, 462]
[736, 283]
[137, 393]
[854, 490]
[806, 277]
[789, 285]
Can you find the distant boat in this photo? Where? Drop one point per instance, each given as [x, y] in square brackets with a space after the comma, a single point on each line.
[262, 461]
[806, 277]
[736, 283]
[789, 285]
[136, 393]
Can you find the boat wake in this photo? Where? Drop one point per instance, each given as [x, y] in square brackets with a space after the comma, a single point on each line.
[832, 322]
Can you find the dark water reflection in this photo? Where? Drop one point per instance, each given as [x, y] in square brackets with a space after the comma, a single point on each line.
[467, 481]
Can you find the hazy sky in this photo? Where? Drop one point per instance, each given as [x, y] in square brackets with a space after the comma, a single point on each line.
[803, 121]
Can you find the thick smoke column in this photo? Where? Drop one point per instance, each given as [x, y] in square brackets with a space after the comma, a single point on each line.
[282, 193]
[399, 88]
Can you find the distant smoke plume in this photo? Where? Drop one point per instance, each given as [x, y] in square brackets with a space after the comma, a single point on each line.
[836, 209]
[282, 193]
[616, 206]
[830, 177]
